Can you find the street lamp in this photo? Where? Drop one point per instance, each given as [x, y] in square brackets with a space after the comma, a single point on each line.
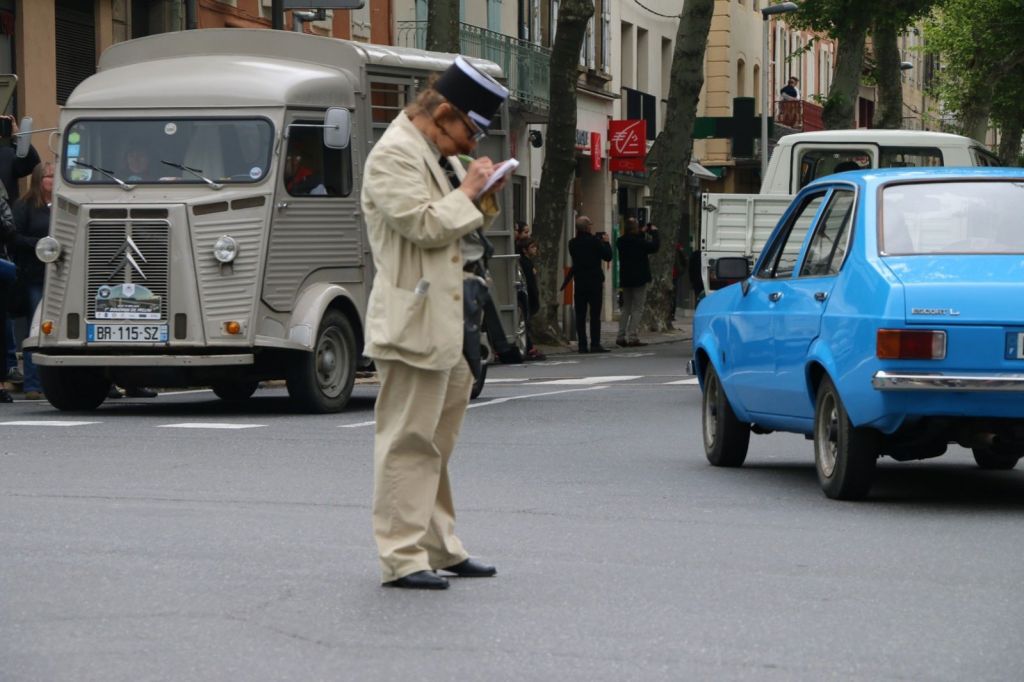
[766, 12]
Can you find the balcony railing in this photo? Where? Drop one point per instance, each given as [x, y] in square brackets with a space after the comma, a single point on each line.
[799, 115]
[525, 65]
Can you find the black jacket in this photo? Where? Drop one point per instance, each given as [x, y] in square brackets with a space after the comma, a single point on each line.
[634, 268]
[587, 251]
[530, 280]
[12, 168]
[31, 224]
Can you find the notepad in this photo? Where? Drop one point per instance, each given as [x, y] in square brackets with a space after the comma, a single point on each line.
[500, 171]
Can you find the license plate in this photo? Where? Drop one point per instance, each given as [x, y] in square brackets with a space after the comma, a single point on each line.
[1015, 346]
[126, 333]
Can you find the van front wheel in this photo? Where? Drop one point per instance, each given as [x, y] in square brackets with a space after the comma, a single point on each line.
[322, 381]
[74, 389]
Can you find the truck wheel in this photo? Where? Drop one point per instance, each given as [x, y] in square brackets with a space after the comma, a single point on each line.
[726, 438]
[74, 389]
[235, 391]
[844, 456]
[321, 381]
[995, 459]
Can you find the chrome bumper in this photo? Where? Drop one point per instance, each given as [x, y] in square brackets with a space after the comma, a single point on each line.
[142, 360]
[910, 381]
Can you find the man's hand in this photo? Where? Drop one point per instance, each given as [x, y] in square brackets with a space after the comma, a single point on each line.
[476, 177]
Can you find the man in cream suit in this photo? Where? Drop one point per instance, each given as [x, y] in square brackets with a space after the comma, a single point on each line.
[423, 211]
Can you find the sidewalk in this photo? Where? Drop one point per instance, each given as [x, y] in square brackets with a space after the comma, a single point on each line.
[682, 331]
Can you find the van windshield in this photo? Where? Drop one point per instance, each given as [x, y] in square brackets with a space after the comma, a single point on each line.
[167, 150]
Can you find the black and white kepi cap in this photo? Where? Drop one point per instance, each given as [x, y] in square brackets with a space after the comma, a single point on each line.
[472, 91]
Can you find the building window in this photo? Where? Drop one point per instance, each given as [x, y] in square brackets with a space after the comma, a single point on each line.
[75, 41]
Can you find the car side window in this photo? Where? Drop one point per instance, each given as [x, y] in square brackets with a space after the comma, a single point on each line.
[311, 169]
[827, 249]
[781, 260]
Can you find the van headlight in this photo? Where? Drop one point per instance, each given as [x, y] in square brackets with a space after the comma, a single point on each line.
[226, 249]
[48, 249]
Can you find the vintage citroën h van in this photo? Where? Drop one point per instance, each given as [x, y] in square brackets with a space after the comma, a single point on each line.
[206, 222]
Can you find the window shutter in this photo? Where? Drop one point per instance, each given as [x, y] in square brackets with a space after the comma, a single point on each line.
[76, 48]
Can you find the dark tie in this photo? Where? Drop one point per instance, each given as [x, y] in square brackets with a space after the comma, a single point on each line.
[449, 171]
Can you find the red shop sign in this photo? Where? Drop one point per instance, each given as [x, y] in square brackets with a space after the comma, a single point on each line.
[595, 151]
[628, 164]
[627, 138]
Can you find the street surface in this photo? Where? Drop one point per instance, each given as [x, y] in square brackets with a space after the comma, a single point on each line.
[183, 539]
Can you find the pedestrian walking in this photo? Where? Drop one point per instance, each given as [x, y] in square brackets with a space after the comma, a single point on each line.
[588, 250]
[422, 227]
[635, 246]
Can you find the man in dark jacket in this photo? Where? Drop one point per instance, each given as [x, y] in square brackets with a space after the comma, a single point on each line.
[634, 276]
[587, 251]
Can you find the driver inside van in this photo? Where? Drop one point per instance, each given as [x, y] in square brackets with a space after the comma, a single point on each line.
[302, 176]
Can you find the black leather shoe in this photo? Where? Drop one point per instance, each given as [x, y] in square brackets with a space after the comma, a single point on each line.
[420, 580]
[5, 397]
[471, 568]
[114, 392]
[599, 349]
[139, 392]
[583, 349]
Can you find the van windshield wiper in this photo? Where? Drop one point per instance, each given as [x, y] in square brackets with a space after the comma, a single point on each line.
[198, 172]
[124, 185]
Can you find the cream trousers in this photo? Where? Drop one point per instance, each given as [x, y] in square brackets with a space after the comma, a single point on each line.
[418, 417]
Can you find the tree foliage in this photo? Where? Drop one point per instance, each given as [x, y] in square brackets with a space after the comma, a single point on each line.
[849, 22]
[559, 160]
[982, 75]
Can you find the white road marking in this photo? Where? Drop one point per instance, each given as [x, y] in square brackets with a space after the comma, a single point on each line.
[507, 381]
[45, 423]
[588, 381]
[683, 382]
[496, 401]
[209, 425]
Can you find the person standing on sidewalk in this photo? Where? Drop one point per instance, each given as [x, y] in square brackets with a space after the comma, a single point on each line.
[587, 251]
[32, 223]
[634, 275]
[422, 229]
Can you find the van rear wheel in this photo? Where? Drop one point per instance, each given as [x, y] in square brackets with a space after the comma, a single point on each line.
[322, 381]
[74, 389]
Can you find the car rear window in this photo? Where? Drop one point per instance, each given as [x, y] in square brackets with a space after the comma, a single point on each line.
[952, 217]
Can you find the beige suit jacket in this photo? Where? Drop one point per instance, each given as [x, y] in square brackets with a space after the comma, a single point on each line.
[414, 222]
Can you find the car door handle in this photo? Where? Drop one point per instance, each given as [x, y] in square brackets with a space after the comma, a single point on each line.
[820, 296]
[775, 296]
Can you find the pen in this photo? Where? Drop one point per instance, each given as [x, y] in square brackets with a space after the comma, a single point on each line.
[465, 158]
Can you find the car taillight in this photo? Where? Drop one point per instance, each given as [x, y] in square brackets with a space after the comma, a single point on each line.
[906, 344]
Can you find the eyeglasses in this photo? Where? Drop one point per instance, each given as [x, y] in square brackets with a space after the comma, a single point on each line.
[475, 132]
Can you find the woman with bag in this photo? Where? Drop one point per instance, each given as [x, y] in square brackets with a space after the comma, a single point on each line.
[31, 223]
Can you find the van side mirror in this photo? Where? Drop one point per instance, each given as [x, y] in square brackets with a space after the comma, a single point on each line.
[337, 128]
[728, 270]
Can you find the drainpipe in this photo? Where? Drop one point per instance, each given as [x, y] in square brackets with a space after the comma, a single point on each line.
[277, 15]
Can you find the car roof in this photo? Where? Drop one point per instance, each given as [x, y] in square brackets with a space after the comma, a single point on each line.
[878, 176]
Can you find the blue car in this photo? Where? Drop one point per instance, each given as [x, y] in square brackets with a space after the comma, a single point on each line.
[885, 316]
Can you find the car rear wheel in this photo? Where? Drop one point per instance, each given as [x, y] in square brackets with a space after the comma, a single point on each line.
[235, 391]
[74, 389]
[844, 456]
[726, 438]
[322, 381]
[995, 459]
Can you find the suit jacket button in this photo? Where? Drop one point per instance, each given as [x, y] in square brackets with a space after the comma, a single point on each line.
[456, 297]
[455, 259]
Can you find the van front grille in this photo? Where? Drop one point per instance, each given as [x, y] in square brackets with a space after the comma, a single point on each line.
[128, 252]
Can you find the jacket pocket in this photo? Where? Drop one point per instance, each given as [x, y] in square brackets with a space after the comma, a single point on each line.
[399, 319]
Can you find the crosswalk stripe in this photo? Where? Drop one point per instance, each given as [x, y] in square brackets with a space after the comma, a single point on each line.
[209, 425]
[586, 381]
[42, 422]
[506, 381]
[683, 382]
